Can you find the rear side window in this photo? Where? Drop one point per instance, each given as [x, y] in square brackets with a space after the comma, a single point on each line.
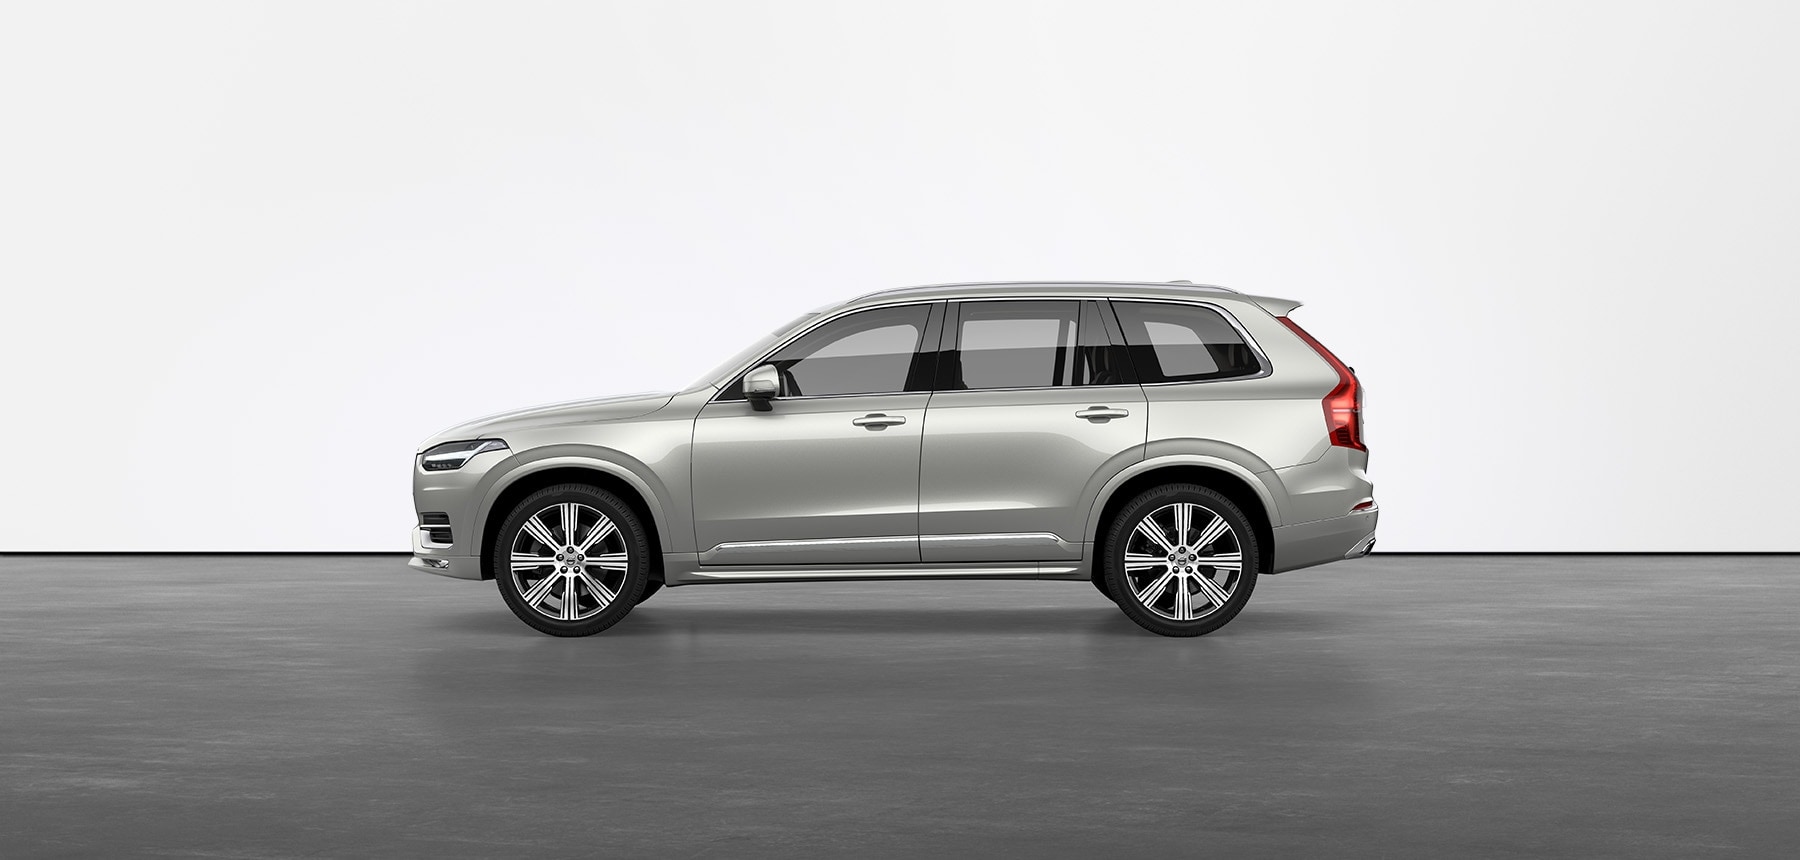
[1016, 344]
[1183, 343]
[1032, 344]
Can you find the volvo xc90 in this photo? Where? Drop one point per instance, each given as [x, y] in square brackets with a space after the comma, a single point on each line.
[1167, 442]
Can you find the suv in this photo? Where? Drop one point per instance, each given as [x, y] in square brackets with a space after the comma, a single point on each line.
[1166, 442]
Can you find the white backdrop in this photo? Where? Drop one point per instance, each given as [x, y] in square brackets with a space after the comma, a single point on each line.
[252, 254]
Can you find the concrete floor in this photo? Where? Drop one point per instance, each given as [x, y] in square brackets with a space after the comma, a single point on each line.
[1396, 706]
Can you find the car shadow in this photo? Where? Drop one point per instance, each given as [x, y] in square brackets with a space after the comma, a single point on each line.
[1101, 619]
[923, 621]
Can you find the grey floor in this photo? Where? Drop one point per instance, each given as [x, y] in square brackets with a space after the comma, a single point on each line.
[1396, 706]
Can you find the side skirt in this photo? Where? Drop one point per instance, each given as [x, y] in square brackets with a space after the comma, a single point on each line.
[685, 569]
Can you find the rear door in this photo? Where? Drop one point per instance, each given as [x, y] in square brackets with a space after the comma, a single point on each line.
[1034, 408]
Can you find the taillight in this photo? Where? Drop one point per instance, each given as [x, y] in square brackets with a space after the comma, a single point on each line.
[1343, 406]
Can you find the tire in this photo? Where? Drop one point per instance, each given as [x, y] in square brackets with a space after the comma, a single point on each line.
[603, 586]
[1173, 591]
[650, 587]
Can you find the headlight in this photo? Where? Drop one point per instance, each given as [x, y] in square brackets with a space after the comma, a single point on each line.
[451, 456]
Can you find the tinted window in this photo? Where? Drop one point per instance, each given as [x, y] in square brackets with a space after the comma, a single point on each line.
[1183, 343]
[870, 352]
[1100, 360]
[1016, 344]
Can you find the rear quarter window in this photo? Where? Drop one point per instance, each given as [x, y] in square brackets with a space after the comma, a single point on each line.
[1183, 343]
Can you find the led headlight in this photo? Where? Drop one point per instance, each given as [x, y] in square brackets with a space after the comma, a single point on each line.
[451, 456]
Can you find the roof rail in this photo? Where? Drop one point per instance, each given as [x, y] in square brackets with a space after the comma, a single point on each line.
[1208, 286]
[909, 289]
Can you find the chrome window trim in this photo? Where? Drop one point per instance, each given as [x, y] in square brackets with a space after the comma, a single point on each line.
[1046, 388]
[1230, 319]
[805, 397]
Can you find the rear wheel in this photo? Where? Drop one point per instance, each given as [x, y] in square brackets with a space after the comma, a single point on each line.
[571, 560]
[1181, 560]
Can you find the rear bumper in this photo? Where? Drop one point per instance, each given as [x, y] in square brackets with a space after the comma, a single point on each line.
[1324, 541]
[438, 561]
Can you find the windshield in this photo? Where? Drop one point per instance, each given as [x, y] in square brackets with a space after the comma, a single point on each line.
[763, 344]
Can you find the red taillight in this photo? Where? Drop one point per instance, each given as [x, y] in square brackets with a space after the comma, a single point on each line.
[1343, 406]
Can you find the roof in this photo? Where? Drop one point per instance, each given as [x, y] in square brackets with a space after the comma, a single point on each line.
[1073, 289]
[1052, 288]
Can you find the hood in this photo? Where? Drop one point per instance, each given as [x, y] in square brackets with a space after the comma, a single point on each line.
[573, 412]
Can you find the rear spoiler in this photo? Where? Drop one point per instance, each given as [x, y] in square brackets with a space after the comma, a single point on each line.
[1275, 306]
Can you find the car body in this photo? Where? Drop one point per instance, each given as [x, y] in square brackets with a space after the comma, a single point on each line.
[1004, 442]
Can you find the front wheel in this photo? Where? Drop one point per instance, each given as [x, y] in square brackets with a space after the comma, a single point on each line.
[1181, 560]
[571, 560]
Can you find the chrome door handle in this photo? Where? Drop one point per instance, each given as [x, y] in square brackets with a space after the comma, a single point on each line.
[1101, 413]
[876, 420]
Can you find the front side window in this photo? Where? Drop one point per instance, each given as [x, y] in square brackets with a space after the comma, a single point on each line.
[869, 352]
[1183, 343]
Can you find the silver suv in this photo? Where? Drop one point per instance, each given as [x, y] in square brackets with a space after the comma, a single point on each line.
[1166, 442]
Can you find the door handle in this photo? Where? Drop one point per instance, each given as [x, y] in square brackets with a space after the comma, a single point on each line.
[1101, 413]
[876, 420]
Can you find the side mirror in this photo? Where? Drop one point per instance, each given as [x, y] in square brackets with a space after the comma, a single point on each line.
[761, 386]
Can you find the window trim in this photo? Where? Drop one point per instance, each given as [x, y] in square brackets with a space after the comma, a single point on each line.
[1262, 358]
[934, 314]
[945, 339]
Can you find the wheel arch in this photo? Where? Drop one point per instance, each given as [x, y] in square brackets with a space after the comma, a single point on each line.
[1234, 482]
[563, 470]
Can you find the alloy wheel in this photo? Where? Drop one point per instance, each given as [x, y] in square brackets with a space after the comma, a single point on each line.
[1183, 561]
[569, 561]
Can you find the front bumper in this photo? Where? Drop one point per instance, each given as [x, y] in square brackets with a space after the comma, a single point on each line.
[439, 562]
[457, 495]
[1324, 541]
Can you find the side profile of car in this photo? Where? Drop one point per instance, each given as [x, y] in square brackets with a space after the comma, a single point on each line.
[1168, 443]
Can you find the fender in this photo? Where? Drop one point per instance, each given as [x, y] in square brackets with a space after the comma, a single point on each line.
[610, 461]
[1210, 453]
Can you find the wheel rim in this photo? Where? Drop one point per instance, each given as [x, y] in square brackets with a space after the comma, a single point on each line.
[1183, 561]
[569, 561]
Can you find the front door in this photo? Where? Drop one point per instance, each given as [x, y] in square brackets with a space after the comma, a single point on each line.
[1035, 406]
[830, 473]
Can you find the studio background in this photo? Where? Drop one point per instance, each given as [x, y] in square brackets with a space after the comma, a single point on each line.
[252, 254]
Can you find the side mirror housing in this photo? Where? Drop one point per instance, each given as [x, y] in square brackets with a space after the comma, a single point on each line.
[761, 386]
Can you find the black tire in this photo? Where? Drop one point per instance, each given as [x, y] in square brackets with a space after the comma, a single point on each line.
[650, 587]
[562, 577]
[1180, 575]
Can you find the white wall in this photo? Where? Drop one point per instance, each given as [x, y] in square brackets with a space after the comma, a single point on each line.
[251, 255]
